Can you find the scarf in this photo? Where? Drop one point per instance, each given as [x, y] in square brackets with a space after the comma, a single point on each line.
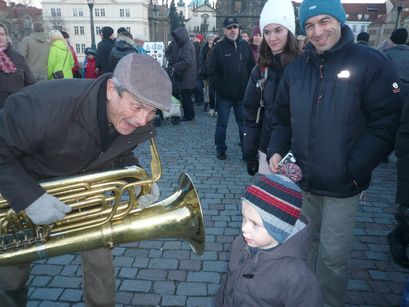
[6, 65]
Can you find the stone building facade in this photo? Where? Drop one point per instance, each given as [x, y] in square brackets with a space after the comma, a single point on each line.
[246, 11]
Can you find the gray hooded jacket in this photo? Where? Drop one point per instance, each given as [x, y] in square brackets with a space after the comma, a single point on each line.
[34, 48]
[279, 277]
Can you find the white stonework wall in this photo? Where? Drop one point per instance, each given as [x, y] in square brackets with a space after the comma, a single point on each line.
[135, 18]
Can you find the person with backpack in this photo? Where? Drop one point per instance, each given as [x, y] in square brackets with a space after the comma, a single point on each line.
[278, 48]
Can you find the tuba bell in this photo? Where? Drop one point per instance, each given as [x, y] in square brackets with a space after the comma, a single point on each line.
[105, 213]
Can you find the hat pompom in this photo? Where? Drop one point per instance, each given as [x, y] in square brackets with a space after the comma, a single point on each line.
[291, 171]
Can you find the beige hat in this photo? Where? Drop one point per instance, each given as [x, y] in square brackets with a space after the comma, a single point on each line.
[142, 77]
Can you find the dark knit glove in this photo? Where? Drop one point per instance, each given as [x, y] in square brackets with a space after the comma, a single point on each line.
[252, 166]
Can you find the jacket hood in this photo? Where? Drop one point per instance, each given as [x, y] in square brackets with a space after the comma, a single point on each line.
[180, 35]
[60, 45]
[347, 38]
[39, 37]
[297, 244]
[123, 42]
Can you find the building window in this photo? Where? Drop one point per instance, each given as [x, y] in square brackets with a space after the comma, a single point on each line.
[354, 28]
[121, 13]
[80, 12]
[82, 32]
[82, 48]
[128, 29]
[76, 30]
[127, 13]
[103, 12]
[237, 5]
[77, 48]
[97, 29]
[55, 12]
[74, 12]
[362, 28]
[97, 12]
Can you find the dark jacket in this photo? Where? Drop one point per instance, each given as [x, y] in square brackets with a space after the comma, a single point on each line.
[257, 134]
[399, 56]
[103, 52]
[229, 68]
[402, 153]
[123, 46]
[57, 134]
[279, 277]
[13, 82]
[338, 112]
[185, 62]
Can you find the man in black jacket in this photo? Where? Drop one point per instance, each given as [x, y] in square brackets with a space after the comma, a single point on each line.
[104, 50]
[80, 125]
[229, 68]
[338, 109]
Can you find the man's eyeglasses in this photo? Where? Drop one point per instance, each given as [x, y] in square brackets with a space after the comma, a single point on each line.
[232, 27]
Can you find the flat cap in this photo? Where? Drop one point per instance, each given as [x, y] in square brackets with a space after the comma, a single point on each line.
[144, 79]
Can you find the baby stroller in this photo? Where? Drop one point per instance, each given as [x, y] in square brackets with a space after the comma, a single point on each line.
[175, 114]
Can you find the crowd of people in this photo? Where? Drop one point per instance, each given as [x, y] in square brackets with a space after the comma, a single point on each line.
[316, 114]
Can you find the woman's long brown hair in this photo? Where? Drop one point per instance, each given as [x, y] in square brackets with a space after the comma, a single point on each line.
[291, 50]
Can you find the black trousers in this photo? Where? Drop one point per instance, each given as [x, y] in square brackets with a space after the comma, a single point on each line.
[188, 111]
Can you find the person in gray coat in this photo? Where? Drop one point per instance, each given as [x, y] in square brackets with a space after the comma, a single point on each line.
[185, 70]
[399, 56]
[34, 48]
[268, 262]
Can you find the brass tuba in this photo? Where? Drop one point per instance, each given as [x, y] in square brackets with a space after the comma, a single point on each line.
[105, 213]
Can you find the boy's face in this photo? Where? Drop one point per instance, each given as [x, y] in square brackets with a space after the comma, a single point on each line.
[253, 229]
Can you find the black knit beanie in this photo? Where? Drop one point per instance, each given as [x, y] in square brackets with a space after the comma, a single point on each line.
[399, 36]
[107, 32]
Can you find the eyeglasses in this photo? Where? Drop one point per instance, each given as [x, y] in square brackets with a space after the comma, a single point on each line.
[232, 27]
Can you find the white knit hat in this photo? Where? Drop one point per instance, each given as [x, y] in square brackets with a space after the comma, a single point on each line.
[280, 12]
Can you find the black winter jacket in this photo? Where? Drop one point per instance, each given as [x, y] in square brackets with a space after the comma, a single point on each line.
[257, 134]
[229, 68]
[103, 52]
[338, 112]
[57, 134]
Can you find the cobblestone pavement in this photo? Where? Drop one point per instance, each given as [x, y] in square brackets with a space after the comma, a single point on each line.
[168, 273]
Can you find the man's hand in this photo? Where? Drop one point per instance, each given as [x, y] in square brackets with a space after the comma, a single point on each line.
[273, 163]
[47, 209]
[147, 199]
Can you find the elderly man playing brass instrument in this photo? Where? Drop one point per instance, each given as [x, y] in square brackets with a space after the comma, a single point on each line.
[66, 127]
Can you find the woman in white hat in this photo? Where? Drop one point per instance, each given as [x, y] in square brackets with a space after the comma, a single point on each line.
[278, 48]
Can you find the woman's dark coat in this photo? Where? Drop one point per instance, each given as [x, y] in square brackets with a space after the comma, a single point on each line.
[13, 82]
[185, 62]
[257, 134]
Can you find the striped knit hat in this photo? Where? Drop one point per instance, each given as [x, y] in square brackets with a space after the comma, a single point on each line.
[278, 200]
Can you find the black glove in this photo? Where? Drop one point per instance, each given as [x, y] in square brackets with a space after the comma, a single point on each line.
[252, 166]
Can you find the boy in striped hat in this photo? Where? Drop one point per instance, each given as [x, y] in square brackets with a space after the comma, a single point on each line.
[268, 262]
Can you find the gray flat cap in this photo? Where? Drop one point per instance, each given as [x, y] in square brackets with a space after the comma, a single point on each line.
[143, 77]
